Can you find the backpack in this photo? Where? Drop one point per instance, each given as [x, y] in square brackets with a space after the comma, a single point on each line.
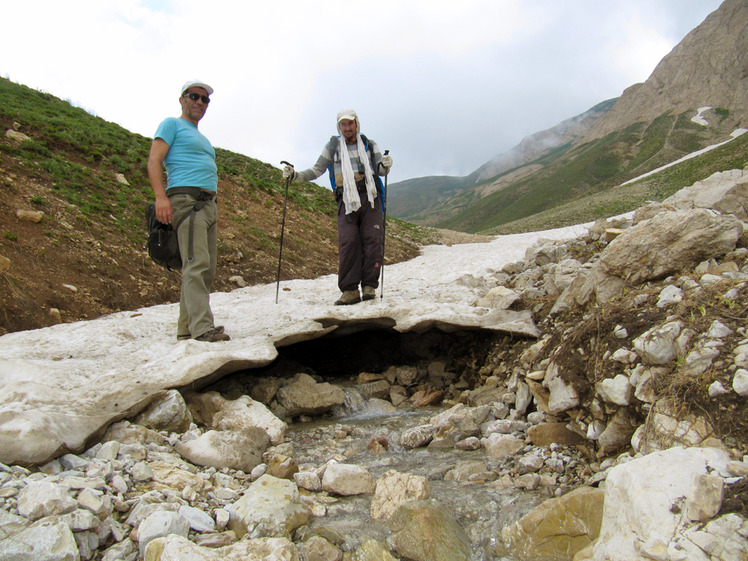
[335, 140]
[163, 245]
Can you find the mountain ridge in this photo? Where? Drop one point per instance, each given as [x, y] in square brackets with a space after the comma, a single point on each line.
[650, 125]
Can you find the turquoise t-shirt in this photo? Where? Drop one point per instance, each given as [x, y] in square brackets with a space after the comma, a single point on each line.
[191, 159]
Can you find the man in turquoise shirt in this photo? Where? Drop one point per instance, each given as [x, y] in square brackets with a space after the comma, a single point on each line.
[188, 200]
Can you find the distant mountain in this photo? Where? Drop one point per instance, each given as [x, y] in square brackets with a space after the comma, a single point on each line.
[694, 98]
[420, 197]
[533, 147]
[708, 68]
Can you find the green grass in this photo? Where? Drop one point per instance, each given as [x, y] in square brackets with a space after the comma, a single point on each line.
[626, 198]
[79, 154]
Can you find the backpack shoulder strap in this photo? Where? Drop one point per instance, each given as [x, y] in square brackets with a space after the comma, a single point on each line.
[334, 144]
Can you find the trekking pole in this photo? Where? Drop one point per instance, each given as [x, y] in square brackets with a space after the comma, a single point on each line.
[283, 227]
[384, 226]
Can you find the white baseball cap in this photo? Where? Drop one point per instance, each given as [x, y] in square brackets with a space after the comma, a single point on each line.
[349, 114]
[197, 84]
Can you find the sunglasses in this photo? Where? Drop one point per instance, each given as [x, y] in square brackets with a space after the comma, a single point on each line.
[194, 97]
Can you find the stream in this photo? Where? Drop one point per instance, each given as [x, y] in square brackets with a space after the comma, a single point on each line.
[366, 432]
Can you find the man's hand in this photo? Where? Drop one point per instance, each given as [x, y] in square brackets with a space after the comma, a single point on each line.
[164, 210]
[387, 162]
[289, 173]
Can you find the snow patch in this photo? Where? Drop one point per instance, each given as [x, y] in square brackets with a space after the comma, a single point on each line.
[735, 134]
[699, 118]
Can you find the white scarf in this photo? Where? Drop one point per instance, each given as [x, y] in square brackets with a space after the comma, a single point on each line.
[350, 192]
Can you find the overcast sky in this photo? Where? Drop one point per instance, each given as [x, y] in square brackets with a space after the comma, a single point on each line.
[444, 85]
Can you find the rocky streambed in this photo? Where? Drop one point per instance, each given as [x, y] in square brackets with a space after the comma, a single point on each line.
[432, 457]
[345, 457]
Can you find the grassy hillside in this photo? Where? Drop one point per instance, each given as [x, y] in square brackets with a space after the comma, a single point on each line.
[626, 198]
[593, 171]
[408, 198]
[85, 256]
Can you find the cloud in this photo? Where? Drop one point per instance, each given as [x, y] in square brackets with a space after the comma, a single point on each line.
[444, 85]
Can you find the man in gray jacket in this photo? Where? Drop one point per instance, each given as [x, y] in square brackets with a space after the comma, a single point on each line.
[355, 164]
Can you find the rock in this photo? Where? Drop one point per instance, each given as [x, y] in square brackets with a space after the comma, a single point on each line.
[699, 359]
[618, 433]
[159, 524]
[724, 191]
[372, 550]
[198, 520]
[282, 467]
[168, 411]
[49, 539]
[306, 396]
[740, 382]
[40, 499]
[669, 295]
[308, 480]
[500, 446]
[646, 523]
[503, 426]
[705, 497]
[659, 344]
[499, 297]
[667, 427]
[394, 489]
[243, 413]
[318, 548]
[417, 436]
[558, 528]
[425, 531]
[616, 390]
[178, 548]
[30, 215]
[227, 449]
[238, 280]
[563, 396]
[347, 479]
[271, 507]
[545, 434]
[661, 246]
[17, 136]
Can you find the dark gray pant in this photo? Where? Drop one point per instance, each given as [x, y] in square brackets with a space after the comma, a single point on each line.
[360, 244]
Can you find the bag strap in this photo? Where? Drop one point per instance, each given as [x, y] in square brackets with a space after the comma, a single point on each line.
[191, 215]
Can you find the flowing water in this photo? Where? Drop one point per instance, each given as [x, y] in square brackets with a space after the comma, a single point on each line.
[482, 507]
[366, 432]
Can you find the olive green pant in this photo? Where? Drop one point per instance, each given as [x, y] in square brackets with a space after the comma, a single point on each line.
[195, 315]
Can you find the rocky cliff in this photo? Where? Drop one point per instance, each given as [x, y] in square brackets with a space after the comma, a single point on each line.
[708, 68]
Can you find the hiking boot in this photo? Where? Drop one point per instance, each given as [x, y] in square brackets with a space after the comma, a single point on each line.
[218, 329]
[213, 335]
[348, 297]
[369, 293]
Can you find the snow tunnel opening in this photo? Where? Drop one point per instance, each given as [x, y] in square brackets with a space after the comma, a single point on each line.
[345, 354]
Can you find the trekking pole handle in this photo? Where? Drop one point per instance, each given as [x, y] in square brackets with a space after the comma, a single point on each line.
[387, 171]
[284, 162]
